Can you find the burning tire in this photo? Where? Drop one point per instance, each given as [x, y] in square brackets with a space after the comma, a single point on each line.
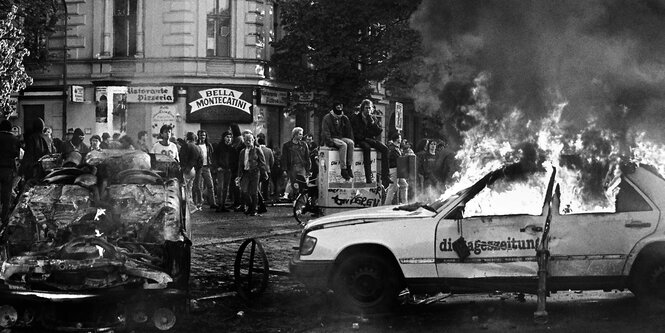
[366, 283]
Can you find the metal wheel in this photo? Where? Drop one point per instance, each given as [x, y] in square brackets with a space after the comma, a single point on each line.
[250, 270]
[366, 283]
[302, 208]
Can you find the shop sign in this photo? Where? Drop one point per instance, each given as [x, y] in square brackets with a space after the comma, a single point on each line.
[302, 97]
[77, 94]
[399, 116]
[274, 97]
[220, 104]
[161, 94]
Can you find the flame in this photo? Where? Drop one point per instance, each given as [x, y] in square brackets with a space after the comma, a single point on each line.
[581, 159]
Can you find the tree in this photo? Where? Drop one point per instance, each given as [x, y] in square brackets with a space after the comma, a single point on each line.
[37, 20]
[336, 48]
[12, 51]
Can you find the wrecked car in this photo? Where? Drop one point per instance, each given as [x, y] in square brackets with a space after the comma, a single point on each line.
[98, 243]
[450, 245]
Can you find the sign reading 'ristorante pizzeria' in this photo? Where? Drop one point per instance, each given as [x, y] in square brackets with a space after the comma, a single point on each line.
[225, 104]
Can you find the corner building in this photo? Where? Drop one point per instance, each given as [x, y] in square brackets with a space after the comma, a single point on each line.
[134, 65]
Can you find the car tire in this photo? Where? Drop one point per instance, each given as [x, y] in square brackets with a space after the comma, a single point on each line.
[648, 281]
[366, 283]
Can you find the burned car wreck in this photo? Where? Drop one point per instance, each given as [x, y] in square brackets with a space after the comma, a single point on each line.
[98, 244]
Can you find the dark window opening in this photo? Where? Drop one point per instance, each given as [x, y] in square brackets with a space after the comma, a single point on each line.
[218, 29]
[124, 28]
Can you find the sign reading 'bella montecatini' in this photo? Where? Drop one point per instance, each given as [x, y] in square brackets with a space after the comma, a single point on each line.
[220, 104]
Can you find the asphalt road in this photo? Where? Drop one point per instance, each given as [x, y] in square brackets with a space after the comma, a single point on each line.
[287, 307]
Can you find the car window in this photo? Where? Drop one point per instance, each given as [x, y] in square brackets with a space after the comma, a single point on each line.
[621, 196]
[510, 197]
[629, 200]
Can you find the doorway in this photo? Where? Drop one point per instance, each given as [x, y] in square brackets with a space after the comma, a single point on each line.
[30, 114]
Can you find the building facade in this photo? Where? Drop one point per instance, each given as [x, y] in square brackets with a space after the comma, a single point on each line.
[134, 65]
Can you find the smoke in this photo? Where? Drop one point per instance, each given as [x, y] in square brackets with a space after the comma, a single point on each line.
[606, 58]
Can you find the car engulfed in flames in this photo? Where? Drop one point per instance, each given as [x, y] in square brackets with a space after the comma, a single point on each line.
[97, 244]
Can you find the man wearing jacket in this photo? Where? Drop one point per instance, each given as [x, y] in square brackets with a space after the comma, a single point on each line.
[190, 161]
[295, 156]
[226, 159]
[365, 129]
[203, 179]
[251, 169]
[336, 132]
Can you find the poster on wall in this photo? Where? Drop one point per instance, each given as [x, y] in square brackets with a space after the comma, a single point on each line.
[101, 105]
[111, 109]
[162, 115]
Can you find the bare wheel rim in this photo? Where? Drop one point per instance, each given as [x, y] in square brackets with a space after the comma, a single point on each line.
[250, 269]
[365, 283]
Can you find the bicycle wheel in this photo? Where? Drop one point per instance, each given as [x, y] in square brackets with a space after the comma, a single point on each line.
[250, 270]
[301, 208]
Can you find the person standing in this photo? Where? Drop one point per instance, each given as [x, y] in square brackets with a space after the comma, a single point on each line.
[251, 170]
[164, 146]
[336, 132]
[225, 159]
[106, 140]
[295, 156]
[9, 152]
[142, 143]
[398, 185]
[427, 165]
[77, 144]
[48, 133]
[270, 162]
[37, 145]
[203, 184]
[366, 128]
[190, 162]
[95, 142]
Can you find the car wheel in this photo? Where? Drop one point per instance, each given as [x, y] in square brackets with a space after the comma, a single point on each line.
[366, 283]
[648, 281]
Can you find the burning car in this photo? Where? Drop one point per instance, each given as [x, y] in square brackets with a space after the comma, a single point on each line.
[97, 244]
[458, 245]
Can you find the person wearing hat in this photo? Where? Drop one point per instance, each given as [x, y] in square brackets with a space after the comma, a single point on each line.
[9, 152]
[76, 143]
[336, 132]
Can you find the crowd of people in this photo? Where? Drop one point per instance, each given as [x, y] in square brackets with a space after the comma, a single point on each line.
[240, 169]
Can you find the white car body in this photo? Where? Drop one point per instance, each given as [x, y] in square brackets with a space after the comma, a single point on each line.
[587, 250]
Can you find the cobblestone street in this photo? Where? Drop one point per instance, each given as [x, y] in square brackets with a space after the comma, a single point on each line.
[216, 238]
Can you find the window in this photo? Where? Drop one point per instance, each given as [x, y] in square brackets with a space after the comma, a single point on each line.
[218, 29]
[124, 28]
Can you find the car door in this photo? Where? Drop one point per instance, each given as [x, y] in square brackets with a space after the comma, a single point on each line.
[597, 244]
[500, 246]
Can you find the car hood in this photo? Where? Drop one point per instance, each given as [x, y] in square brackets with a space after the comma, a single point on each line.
[374, 213]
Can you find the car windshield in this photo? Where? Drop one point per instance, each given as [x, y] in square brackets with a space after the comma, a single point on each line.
[499, 191]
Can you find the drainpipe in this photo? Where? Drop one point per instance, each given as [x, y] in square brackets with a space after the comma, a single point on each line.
[64, 72]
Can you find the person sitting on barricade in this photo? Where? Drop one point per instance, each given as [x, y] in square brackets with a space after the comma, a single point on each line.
[366, 129]
[336, 132]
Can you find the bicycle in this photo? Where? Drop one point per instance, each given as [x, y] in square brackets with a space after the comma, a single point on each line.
[304, 206]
